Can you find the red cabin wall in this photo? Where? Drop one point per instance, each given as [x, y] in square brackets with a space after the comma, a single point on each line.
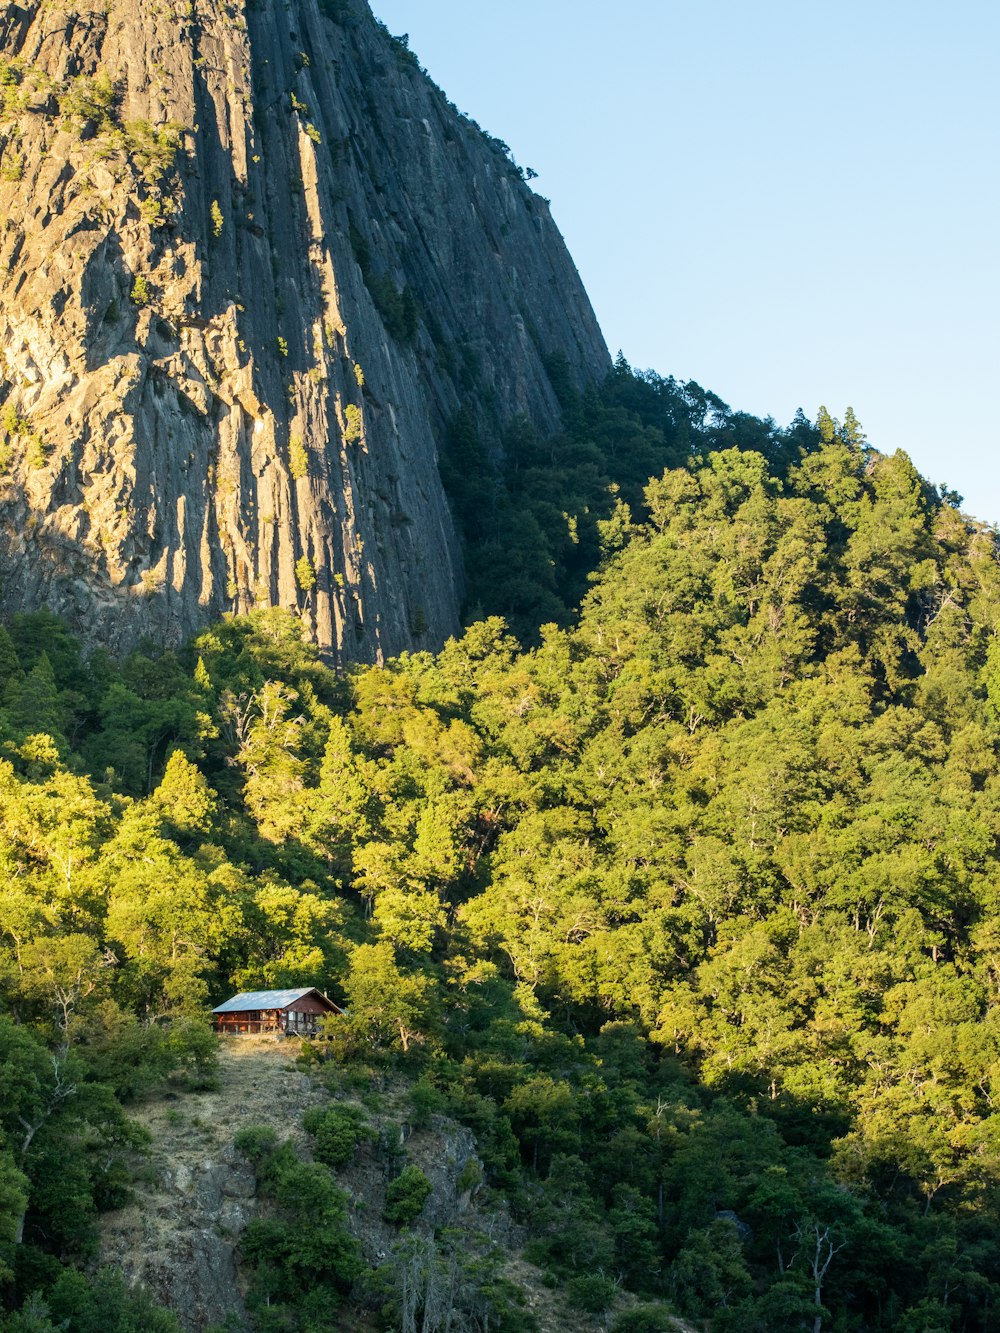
[310, 1007]
[311, 1004]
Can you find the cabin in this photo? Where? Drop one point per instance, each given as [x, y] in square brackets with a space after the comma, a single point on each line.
[293, 1013]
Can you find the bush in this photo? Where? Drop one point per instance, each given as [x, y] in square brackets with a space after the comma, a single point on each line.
[100, 1300]
[256, 1142]
[338, 1131]
[89, 100]
[305, 574]
[13, 423]
[303, 1257]
[470, 1177]
[426, 1101]
[152, 212]
[353, 423]
[592, 1292]
[152, 148]
[406, 1196]
[298, 457]
[193, 1053]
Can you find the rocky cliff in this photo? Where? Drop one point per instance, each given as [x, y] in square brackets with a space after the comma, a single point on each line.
[251, 264]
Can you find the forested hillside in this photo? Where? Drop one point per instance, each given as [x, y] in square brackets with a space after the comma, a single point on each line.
[539, 514]
[688, 911]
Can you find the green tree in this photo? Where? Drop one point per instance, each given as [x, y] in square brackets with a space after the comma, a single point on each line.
[388, 1008]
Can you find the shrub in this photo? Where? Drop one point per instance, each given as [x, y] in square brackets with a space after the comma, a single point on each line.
[193, 1053]
[256, 1142]
[470, 1177]
[397, 308]
[153, 149]
[140, 292]
[338, 1130]
[406, 1196]
[89, 100]
[592, 1292]
[151, 212]
[218, 221]
[15, 427]
[353, 423]
[12, 422]
[37, 453]
[298, 457]
[305, 575]
[426, 1101]
[12, 99]
[303, 1257]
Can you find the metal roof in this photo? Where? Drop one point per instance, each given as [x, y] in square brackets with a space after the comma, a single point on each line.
[263, 999]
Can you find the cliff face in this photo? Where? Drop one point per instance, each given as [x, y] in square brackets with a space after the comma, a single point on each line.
[251, 263]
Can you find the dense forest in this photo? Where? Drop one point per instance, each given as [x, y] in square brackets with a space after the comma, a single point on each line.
[685, 903]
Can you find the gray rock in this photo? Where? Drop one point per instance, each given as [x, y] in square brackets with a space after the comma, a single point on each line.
[331, 219]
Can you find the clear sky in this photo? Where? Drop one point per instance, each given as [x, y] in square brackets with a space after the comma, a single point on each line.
[793, 202]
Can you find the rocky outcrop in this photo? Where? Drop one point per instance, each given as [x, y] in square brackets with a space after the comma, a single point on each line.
[251, 264]
[196, 1193]
[180, 1235]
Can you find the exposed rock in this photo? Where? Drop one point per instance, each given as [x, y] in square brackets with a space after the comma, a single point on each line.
[224, 369]
[181, 1236]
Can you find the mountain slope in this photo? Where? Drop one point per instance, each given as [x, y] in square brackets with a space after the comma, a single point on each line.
[180, 1235]
[252, 264]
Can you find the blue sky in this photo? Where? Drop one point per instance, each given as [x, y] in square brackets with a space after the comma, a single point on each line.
[793, 202]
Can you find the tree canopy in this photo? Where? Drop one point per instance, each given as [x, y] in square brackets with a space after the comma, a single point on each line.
[688, 908]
